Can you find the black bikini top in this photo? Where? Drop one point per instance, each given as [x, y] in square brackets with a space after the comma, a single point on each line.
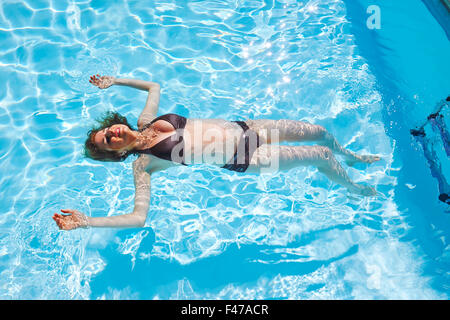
[163, 149]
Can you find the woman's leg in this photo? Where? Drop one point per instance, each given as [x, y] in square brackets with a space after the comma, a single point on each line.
[294, 130]
[270, 158]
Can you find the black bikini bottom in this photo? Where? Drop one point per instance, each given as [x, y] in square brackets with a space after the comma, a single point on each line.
[241, 159]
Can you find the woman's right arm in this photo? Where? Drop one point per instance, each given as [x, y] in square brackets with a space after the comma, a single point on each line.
[151, 105]
[136, 219]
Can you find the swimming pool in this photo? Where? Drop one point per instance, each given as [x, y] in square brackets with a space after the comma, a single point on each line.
[210, 233]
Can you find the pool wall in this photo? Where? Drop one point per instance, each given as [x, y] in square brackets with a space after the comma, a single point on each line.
[411, 66]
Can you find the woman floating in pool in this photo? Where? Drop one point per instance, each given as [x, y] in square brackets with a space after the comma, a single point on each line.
[170, 140]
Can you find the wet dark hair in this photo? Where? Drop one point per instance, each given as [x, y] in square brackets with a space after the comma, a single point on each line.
[90, 148]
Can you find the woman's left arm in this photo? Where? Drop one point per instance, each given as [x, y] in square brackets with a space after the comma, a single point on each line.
[136, 219]
[153, 89]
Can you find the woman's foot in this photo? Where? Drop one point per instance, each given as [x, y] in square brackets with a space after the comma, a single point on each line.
[362, 159]
[363, 190]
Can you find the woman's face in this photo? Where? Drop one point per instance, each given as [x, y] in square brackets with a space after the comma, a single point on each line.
[118, 137]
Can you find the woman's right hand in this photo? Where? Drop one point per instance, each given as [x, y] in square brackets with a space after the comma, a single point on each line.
[74, 219]
[102, 82]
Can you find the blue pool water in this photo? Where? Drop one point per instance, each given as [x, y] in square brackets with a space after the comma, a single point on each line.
[210, 233]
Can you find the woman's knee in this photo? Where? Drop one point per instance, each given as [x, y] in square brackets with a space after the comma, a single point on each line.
[325, 153]
[322, 133]
[323, 150]
[312, 132]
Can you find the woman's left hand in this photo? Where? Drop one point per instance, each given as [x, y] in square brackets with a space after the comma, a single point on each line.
[75, 219]
[102, 82]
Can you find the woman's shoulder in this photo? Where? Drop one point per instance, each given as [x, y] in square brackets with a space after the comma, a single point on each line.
[145, 121]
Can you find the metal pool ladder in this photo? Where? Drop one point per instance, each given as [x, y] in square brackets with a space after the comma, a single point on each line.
[426, 134]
